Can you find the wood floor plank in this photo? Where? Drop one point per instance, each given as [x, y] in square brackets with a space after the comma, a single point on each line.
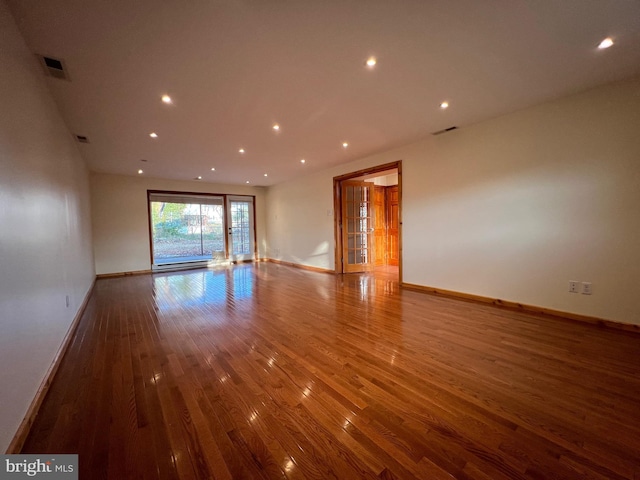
[266, 371]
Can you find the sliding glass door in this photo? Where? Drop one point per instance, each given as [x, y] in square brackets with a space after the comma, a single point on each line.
[189, 229]
[186, 228]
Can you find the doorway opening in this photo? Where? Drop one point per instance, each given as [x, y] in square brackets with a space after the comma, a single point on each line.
[368, 221]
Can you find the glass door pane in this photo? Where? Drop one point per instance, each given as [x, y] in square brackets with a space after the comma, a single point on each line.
[186, 229]
[176, 231]
[241, 228]
[213, 231]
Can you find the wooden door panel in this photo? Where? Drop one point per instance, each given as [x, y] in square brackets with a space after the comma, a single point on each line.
[379, 227]
[393, 212]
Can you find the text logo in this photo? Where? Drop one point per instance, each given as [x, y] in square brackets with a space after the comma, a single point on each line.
[49, 467]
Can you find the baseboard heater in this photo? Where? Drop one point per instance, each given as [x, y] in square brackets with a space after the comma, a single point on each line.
[164, 267]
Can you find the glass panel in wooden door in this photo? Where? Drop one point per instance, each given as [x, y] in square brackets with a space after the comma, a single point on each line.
[357, 226]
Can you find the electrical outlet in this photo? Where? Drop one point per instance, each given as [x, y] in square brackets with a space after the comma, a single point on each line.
[586, 288]
[573, 286]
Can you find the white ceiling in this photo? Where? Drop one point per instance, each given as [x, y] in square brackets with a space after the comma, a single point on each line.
[235, 67]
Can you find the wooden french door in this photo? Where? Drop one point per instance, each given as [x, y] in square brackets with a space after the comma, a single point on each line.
[357, 226]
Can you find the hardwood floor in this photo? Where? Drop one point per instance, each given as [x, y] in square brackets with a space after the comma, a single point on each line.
[267, 371]
[387, 272]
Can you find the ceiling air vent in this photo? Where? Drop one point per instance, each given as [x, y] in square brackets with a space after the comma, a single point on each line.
[53, 67]
[82, 139]
[440, 132]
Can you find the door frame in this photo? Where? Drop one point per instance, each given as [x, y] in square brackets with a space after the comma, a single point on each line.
[225, 196]
[337, 208]
[251, 200]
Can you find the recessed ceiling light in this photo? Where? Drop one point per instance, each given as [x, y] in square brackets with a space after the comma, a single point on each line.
[606, 43]
[444, 105]
[276, 127]
[302, 161]
[166, 99]
[247, 181]
[140, 172]
[241, 150]
[199, 177]
[153, 135]
[371, 62]
[266, 175]
[213, 169]
[345, 144]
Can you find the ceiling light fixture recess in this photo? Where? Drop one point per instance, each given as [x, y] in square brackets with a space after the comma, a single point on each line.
[345, 144]
[247, 181]
[167, 99]
[302, 161]
[199, 177]
[606, 43]
[213, 169]
[241, 150]
[371, 62]
[444, 105]
[276, 127]
[140, 172]
[266, 175]
[153, 135]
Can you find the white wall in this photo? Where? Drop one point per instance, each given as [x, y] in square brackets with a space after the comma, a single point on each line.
[386, 180]
[511, 208]
[121, 220]
[45, 233]
[300, 221]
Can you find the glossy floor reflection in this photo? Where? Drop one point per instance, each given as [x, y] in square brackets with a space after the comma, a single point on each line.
[267, 371]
